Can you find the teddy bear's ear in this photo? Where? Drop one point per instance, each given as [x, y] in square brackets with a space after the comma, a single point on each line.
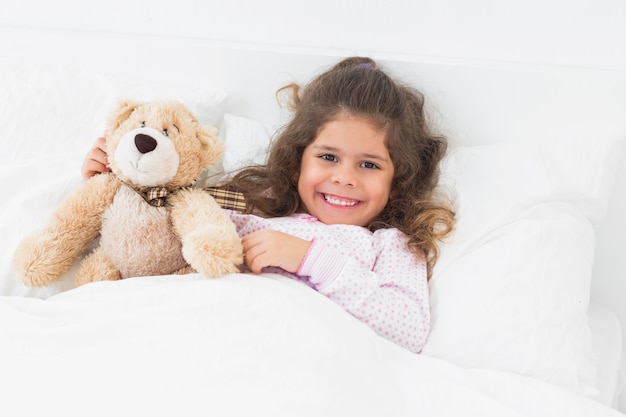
[211, 144]
[121, 112]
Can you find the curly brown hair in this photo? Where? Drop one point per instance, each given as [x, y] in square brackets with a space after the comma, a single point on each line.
[356, 86]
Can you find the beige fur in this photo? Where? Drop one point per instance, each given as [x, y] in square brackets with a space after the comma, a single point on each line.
[137, 239]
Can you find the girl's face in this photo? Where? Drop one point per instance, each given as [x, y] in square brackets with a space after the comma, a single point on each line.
[346, 172]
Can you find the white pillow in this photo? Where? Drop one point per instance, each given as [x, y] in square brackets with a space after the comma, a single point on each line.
[204, 101]
[55, 109]
[48, 110]
[511, 288]
[247, 141]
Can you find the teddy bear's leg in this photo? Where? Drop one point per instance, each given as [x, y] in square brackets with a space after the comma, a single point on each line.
[185, 270]
[96, 267]
[49, 253]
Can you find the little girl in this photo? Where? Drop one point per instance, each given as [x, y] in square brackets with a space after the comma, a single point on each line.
[345, 202]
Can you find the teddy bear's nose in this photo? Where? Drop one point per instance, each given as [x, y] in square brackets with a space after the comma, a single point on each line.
[145, 143]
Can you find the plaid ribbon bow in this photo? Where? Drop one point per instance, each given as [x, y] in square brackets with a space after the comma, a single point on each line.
[155, 196]
[226, 198]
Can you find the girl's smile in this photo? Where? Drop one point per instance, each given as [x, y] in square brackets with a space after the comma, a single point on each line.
[339, 201]
[346, 172]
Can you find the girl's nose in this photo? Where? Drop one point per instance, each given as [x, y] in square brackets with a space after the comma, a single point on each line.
[344, 176]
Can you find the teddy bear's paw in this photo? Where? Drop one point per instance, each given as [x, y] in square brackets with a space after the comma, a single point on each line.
[96, 267]
[213, 251]
[33, 277]
[39, 264]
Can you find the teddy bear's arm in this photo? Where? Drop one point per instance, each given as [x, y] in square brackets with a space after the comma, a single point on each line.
[49, 253]
[210, 241]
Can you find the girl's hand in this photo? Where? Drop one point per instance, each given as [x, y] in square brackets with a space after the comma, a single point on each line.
[96, 161]
[271, 248]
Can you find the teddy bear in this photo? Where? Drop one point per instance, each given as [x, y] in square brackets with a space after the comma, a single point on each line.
[144, 217]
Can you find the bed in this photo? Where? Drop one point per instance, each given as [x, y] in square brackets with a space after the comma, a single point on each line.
[536, 155]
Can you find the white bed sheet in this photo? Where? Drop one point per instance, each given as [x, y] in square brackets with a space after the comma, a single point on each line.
[237, 345]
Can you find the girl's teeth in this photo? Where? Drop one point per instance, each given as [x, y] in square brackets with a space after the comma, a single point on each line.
[338, 202]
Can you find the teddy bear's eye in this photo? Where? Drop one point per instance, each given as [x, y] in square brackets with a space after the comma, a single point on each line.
[165, 132]
[143, 124]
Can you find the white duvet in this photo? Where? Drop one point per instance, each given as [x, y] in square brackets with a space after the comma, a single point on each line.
[240, 345]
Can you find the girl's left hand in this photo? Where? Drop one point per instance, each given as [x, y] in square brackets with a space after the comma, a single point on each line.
[96, 161]
[272, 248]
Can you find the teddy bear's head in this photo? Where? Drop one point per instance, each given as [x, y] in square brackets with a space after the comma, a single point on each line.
[159, 143]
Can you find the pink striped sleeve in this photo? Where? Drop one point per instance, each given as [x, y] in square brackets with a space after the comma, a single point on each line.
[322, 264]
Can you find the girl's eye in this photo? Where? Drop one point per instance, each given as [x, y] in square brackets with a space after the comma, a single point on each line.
[328, 157]
[165, 132]
[143, 124]
[369, 165]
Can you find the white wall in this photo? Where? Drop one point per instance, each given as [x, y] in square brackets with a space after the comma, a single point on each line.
[563, 32]
[576, 32]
